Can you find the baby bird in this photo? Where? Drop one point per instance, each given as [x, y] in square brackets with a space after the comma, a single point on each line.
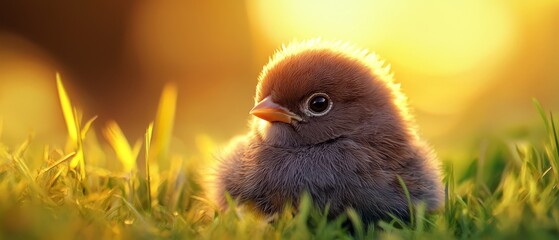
[330, 121]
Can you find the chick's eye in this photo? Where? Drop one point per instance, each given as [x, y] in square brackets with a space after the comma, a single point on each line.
[318, 104]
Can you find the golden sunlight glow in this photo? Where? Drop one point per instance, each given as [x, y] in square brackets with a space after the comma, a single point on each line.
[282, 21]
[440, 36]
[449, 37]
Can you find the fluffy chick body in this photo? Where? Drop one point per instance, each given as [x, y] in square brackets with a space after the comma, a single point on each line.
[350, 157]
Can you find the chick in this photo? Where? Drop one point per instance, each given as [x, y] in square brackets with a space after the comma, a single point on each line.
[330, 121]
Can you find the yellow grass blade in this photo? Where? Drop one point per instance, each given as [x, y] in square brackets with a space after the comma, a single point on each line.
[79, 158]
[20, 151]
[63, 159]
[149, 132]
[148, 135]
[67, 110]
[119, 143]
[76, 159]
[159, 135]
[87, 126]
[164, 121]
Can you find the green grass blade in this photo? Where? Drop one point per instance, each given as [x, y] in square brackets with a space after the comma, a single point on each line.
[357, 223]
[542, 113]
[553, 135]
[408, 199]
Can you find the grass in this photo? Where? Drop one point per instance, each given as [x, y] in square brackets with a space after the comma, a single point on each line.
[112, 188]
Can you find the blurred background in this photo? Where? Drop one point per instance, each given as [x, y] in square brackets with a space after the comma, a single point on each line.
[469, 68]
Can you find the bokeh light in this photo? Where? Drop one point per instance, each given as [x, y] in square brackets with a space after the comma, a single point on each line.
[27, 96]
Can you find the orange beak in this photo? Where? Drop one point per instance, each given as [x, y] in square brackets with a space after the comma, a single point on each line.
[273, 112]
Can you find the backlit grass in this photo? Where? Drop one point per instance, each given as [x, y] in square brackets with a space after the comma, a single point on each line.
[114, 187]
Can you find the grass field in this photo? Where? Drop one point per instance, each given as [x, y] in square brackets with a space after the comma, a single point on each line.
[111, 187]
